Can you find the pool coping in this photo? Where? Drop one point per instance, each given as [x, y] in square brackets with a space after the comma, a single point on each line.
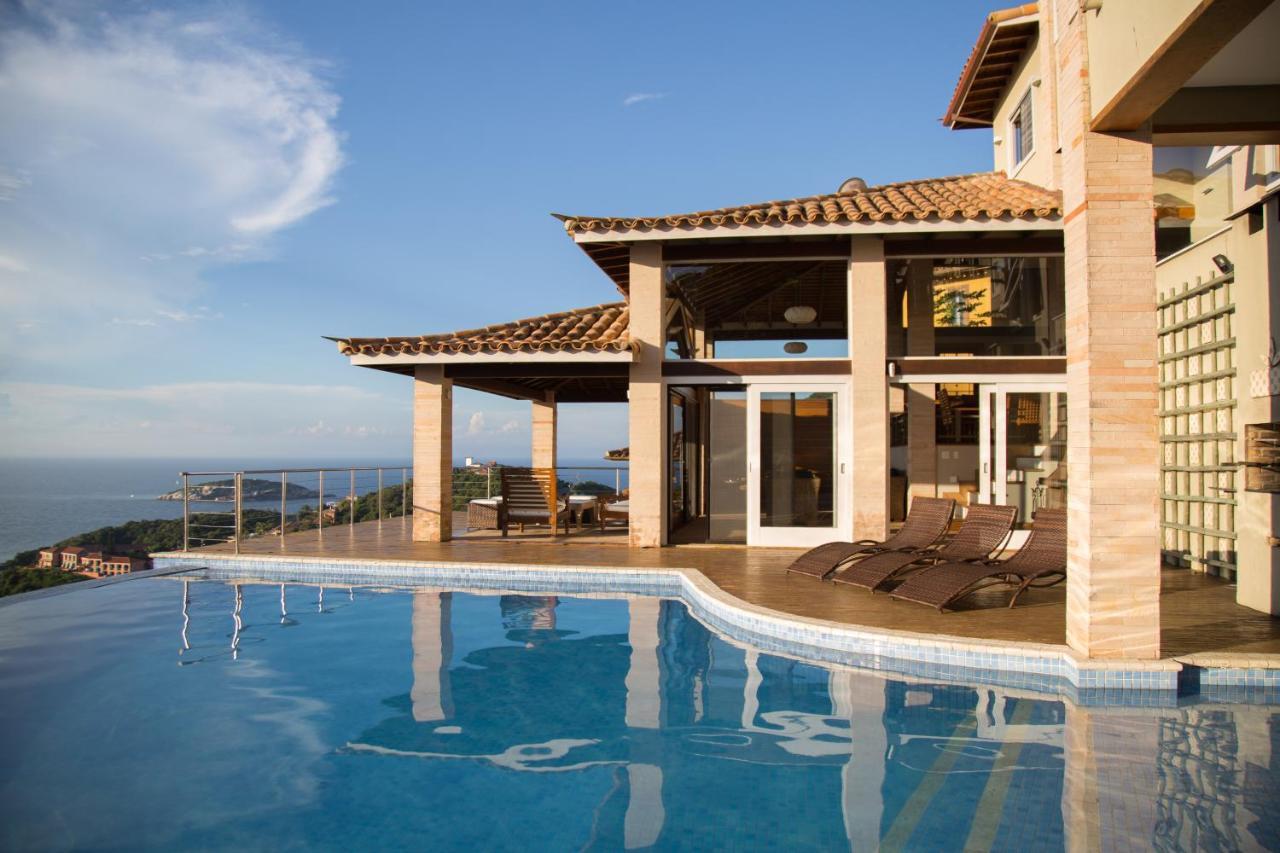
[1042, 667]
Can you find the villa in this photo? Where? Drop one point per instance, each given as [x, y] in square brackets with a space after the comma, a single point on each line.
[1078, 343]
[1089, 325]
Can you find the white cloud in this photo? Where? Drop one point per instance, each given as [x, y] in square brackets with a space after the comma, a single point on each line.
[475, 424]
[10, 185]
[640, 97]
[152, 146]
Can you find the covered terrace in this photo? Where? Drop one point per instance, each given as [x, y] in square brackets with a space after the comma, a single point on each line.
[577, 356]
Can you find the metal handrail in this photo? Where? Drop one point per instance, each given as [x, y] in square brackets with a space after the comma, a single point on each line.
[235, 502]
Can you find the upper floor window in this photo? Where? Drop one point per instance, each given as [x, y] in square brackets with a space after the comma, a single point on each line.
[999, 306]
[758, 309]
[1021, 138]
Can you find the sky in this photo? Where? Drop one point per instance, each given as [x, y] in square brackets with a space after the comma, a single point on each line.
[193, 195]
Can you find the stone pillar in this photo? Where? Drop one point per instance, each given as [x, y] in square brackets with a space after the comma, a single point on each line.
[432, 455]
[646, 405]
[868, 351]
[544, 432]
[432, 695]
[1113, 577]
[922, 444]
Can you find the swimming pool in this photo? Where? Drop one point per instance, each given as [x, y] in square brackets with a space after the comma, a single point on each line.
[163, 713]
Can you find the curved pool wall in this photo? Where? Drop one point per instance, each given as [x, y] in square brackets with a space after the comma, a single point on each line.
[1043, 668]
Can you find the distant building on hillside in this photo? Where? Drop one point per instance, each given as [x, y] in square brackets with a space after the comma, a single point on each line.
[50, 558]
[123, 565]
[71, 557]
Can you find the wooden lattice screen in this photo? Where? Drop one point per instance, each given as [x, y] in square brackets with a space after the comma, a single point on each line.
[1197, 425]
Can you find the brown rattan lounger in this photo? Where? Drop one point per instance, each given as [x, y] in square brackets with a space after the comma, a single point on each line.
[926, 523]
[1041, 561]
[984, 529]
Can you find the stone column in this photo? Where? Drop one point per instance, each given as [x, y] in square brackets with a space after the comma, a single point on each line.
[868, 351]
[922, 444]
[432, 455]
[646, 406]
[544, 431]
[1113, 577]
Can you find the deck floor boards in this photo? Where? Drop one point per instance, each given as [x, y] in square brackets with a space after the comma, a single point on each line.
[1198, 613]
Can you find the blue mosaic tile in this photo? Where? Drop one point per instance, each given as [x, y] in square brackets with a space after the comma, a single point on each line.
[1046, 669]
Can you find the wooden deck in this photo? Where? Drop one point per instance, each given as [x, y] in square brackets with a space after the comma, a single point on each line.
[1198, 613]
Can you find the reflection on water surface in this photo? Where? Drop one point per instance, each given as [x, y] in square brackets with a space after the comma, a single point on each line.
[446, 719]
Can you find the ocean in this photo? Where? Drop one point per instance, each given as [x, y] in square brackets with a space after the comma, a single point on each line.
[43, 501]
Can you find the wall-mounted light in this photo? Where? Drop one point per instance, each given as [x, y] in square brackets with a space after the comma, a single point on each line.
[799, 315]
[1223, 263]
[795, 347]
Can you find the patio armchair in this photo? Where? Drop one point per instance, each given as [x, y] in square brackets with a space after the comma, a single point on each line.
[1041, 561]
[925, 524]
[983, 532]
[529, 497]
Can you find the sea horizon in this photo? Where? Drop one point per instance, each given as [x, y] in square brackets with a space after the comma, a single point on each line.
[45, 499]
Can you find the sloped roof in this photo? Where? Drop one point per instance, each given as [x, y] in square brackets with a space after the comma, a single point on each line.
[599, 328]
[1004, 38]
[960, 197]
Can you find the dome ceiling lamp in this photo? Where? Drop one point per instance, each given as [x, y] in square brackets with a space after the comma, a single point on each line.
[798, 315]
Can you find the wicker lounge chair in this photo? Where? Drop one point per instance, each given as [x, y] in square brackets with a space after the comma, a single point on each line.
[1041, 561]
[984, 530]
[926, 523]
[529, 497]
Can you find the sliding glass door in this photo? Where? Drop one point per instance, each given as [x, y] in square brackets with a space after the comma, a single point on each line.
[1023, 453]
[798, 464]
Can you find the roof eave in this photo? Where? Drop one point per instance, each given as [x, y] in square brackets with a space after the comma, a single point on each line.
[1047, 222]
[1003, 19]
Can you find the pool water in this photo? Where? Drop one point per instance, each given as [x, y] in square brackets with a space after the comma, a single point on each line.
[163, 714]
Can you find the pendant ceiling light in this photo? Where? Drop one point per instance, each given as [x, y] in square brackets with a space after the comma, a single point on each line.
[800, 315]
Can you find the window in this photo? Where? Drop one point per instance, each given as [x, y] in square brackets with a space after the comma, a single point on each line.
[758, 309]
[1021, 131]
[1192, 189]
[998, 306]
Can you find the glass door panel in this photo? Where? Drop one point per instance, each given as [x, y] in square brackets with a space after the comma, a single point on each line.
[796, 477]
[727, 466]
[677, 464]
[1023, 461]
[1035, 451]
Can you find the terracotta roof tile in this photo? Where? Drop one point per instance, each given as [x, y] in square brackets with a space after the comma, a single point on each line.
[973, 66]
[600, 328]
[977, 196]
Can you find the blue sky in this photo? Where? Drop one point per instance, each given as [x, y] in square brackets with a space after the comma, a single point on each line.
[192, 195]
